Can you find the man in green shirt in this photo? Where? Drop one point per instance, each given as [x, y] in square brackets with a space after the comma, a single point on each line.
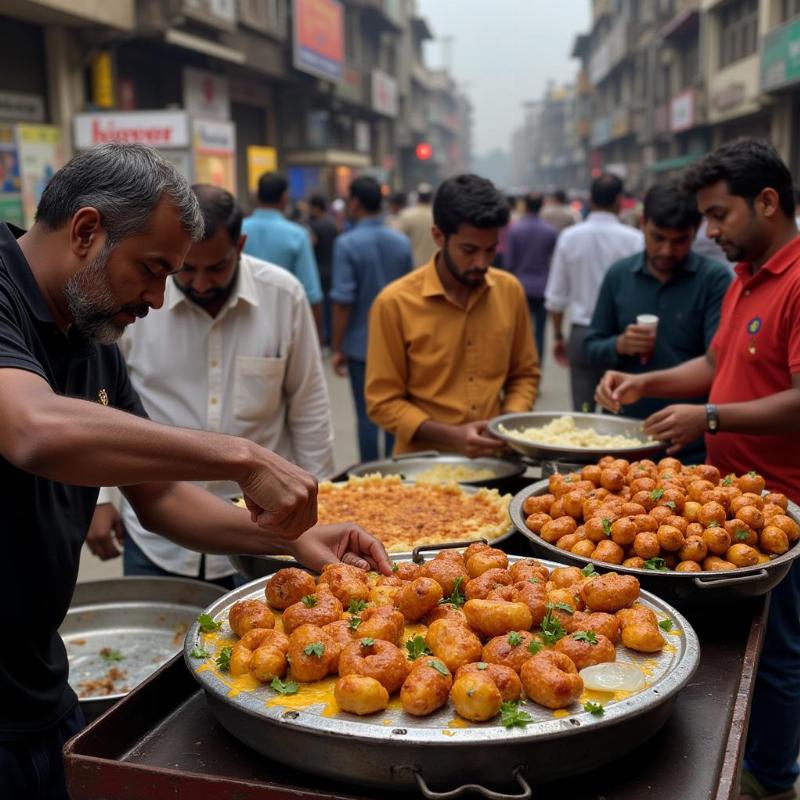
[683, 289]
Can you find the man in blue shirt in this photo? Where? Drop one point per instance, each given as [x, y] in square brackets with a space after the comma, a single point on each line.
[682, 288]
[365, 259]
[271, 237]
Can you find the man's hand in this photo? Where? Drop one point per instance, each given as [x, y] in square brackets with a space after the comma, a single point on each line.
[346, 542]
[280, 496]
[560, 352]
[339, 363]
[676, 425]
[617, 389]
[637, 339]
[106, 532]
[472, 440]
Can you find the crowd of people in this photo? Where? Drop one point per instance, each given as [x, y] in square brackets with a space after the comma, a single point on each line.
[435, 312]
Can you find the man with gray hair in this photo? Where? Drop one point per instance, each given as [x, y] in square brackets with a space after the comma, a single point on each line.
[110, 227]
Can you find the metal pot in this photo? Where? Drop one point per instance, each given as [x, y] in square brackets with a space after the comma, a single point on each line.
[689, 591]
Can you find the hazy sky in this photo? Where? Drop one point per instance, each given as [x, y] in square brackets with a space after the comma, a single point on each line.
[504, 52]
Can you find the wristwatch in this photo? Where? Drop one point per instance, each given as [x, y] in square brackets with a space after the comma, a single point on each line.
[712, 418]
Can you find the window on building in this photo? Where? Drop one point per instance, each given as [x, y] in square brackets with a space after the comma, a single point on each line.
[690, 64]
[738, 31]
[789, 9]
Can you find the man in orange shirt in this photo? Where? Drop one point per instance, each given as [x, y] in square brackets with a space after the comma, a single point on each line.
[450, 344]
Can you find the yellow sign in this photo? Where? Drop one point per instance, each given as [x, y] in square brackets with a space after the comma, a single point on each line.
[102, 80]
[259, 161]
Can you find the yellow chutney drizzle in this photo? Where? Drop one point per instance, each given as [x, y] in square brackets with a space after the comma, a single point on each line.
[458, 722]
[446, 732]
[309, 694]
[560, 713]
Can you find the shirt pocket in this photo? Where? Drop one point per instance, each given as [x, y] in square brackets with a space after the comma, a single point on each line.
[258, 387]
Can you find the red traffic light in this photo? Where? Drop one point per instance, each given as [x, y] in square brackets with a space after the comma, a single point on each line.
[423, 151]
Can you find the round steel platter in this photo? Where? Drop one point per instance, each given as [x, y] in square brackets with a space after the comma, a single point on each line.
[411, 466]
[385, 749]
[608, 424]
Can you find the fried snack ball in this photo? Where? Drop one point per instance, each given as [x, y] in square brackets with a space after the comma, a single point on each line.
[636, 614]
[612, 479]
[707, 472]
[341, 631]
[475, 696]
[751, 516]
[445, 570]
[584, 548]
[242, 652]
[634, 562]
[532, 593]
[717, 540]
[610, 592]
[505, 678]
[788, 526]
[716, 564]
[646, 545]
[528, 568]
[643, 637]
[268, 663]
[624, 530]
[712, 512]
[778, 499]
[337, 570]
[770, 510]
[596, 528]
[248, 614]
[287, 586]
[691, 511]
[592, 472]
[609, 552]
[670, 538]
[510, 650]
[645, 523]
[312, 653]
[538, 520]
[694, 529]
[677, 522]
[773, 540]
[455, 645]
[584, 653]
[478, 588]
[644, 484]
[747, 499]
[426, 688]
[563, 577]
[474, 548]
[542, 502]
[742, 555]
[376, 659]
[596, 621]
[496, 617]
[552, 531]
[751, 482]
[573, 503]
[688, 566]
[740, 532]
[345, 582]
[315, 609]
[694, 549]
[419, 597]
[447, 612]
[389, 580]
[551, 679]
[360, 694]
[385, 595]
[505, 593]
[382, 622]
[484, 560]
[405, 570]
[571, 539]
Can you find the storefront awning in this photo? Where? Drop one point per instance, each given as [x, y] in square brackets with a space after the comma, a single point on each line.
[667, 164]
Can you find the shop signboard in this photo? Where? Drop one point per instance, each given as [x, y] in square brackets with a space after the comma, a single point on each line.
[10, 184]
[681, 111]
[318, 34]
[161, 129]
[21, 107]
[205, 94]
[384, 93]
[780, 57]
[41, 154]
[214, 150]
[259, 161]
[362, 137]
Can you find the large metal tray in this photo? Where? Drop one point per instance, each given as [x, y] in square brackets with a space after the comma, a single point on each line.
[689, 591]
[602, 423]
[390, 749]
[142, 619]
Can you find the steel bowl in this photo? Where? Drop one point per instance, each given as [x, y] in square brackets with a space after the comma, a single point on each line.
[608, 424]
[689, 591]
[393, 750]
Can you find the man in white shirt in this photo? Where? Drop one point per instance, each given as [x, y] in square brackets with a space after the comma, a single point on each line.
[233, 350]
[583, 254]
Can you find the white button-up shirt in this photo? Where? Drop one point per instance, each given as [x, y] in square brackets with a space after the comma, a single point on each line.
[254, 370]
[583, 254]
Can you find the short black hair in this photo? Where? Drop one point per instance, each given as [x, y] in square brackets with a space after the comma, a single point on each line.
[219, 209]
[368, 192]
[533, 202]
[318, 201]
[747, 167]
[605, 190]
[469, 200]
[398, 199]
[560, 196]
[669, 205]
[271, 187]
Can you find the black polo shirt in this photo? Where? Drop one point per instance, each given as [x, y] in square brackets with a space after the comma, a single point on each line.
[44, 523]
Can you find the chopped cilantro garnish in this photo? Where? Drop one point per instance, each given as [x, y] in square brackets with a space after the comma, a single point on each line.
[456, 597]
[590, 637]
[199, 652]
[657, 564]
[534, 646]
[309, 601]
[533, 580]
[606, 526]
[438, 666]
[281, 687]
[512, 717]
[316, 649]
[416, 647]
[514, 639]
[665, 625]
[224, 659]
[109, 655]
[552, 629]
[355, 621]
[482, 665]
[588, 571]
[356, 606]
[395, 566]
[594, 708]
[565, 607]
[741, 536]
[656, 495]
[207, 623]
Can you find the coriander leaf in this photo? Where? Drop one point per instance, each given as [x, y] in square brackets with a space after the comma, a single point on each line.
[741, 536]
[316, 649]
[665, 625]
[395, 566]
[356, 606]
[533, 580]
[594, 708]
[590, 637]
[224, 659]
[281, 687]
[439, 667]
[657, 564]
[671, 504]
[606, 526]
[108, 655]
[367, 642]
[482, 665]
[309, 601]
[456, 597]
[588, 571]
[207, 623]
[585, 408]
[534, 647]
[354, 623]
[552, 629]
[416, 647]
[713, 524]
[728, 480]
[512, 717]
[656, 495]
[514, 639]
[565, 607]
[199, 652]
[752, 474]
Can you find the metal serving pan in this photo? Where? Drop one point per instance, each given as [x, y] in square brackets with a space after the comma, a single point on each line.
[609, 424]
[689, 591]
[139, 622]
[395, 750]
[409, 465]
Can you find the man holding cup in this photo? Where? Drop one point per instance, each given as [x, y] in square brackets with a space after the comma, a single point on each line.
[661, 307]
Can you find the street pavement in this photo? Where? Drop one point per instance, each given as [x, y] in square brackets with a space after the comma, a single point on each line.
[553, 396]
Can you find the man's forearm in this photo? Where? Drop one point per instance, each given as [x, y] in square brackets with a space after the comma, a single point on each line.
[690, 379]
[557, 318]
[341, 318]
[437, 433]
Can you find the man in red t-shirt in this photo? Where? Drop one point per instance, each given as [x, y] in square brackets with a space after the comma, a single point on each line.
[752, 420]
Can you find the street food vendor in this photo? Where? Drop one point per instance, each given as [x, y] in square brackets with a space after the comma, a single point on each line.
[450, 345]
[752, 420]
[110, 227]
